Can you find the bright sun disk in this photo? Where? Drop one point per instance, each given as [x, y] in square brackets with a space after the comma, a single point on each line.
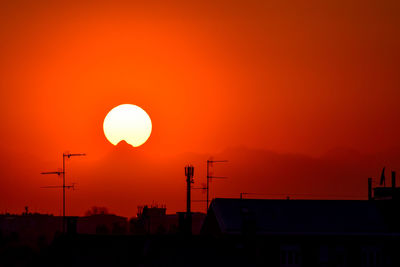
[127, 122]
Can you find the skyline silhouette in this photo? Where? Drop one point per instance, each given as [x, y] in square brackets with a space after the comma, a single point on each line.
[298, 99]
[295, 80]
[110, 181]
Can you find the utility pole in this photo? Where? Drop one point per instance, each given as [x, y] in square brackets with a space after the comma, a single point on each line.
[209, 177]
[64, 155]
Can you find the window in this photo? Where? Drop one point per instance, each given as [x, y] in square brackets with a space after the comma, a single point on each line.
[371, 257]
[290, 256]
[340, 259]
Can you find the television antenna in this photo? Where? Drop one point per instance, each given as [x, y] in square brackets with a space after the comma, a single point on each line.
[63, 186]
[72, 186]
[210, 163]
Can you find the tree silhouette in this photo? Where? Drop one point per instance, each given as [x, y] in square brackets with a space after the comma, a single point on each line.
[96, 211]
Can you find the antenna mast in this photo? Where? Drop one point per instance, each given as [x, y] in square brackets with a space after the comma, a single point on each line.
[64, 155]
[209, 177]
[189, 172]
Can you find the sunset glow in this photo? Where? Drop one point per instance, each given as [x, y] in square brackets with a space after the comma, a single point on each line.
[127, 122]
[300, 97]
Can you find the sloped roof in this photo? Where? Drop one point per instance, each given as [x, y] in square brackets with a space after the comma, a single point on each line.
[305, 216]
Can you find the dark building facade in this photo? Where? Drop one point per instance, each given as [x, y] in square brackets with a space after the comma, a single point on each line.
[309, 232]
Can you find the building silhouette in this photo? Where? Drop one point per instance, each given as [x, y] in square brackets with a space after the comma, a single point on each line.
[310, 232]
[235, 232]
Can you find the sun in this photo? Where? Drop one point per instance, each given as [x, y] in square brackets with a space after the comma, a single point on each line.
[127, 122]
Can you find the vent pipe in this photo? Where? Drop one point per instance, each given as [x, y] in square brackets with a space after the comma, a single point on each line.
[393, 180]
[369, 188]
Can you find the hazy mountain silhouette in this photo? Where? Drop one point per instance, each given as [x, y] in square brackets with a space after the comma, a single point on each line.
[129, 176]
[124, 154]
[339, 174]
[132, 176]
[123, 145]
[343, 154]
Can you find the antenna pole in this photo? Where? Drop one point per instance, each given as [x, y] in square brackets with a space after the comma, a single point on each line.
[63, 185]
[66, 155]
[63, 218]
[209, 176]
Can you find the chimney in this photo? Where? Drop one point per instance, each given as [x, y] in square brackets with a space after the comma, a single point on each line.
[393, 180]
[369, 188]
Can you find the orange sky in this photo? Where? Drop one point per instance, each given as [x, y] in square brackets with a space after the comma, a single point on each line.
[287, 78]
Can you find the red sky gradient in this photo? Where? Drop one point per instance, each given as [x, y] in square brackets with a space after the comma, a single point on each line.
[300, 97]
